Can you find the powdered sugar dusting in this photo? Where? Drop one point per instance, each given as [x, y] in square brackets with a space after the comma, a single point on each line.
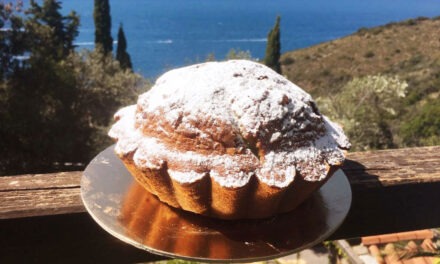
[152, 154]
[124, 131]
[335, 131]
[235, 178]
[186, 176]
[275, 171]
[239, 105]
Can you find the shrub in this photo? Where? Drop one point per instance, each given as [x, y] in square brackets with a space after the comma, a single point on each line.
[65, 117]
[376, 30]
[326, 72]
[103, 87]
[365, 107]
[423, 129]
[416, 59]
[287, 61]
[369, 54]
[362, 31]
[234, 54]
[410, 22]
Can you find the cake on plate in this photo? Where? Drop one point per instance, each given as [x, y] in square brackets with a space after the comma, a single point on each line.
[229, 140]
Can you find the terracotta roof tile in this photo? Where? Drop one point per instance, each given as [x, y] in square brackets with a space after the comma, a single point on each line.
[428, 245]
[395, 255]
[375, 252]
[388, 238]
[392, 256]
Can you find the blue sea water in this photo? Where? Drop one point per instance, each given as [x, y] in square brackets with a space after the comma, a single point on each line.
[164, 34]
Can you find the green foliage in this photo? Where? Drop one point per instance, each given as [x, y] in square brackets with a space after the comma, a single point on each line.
[38, 92]
[210, 57]
[51, 34]
[273, 48]
[234, 54]
[424, 128]
[288, 61]
[415, 59]
[39, 124]
[11, 37]
[103, 25]
[369, 54]
[121, 52]
[61, 112]
[366, 108]
[103, 87]
[335, 253]
[326, 69]
[55, 108]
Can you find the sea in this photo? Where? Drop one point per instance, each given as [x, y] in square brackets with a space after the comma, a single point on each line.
[165, 34]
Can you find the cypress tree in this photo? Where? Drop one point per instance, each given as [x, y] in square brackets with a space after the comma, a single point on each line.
[103, 25]
[273, 48]
[121, 52]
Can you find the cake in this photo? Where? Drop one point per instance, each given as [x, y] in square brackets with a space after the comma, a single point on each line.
[230, 140]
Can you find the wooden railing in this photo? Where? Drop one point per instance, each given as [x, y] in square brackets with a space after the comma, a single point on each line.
[42, 218]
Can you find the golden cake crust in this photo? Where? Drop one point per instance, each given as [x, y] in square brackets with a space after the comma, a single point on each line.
[206, 197]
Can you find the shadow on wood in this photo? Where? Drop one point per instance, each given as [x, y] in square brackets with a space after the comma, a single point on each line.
[69, 238]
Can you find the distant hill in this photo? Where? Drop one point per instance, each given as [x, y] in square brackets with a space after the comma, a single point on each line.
[409, 50]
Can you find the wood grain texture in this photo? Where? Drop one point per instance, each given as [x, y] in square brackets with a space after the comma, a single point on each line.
[393, 167]
[57, 193]
[393, 191]
[40, 194]
[40, 202]
[41, 181]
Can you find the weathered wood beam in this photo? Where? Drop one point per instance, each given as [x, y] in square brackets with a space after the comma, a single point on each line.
[393, 191]
[40, 194]
[59, 193]
[42, 218]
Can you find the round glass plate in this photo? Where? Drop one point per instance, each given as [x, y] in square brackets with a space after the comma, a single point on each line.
[125, 210]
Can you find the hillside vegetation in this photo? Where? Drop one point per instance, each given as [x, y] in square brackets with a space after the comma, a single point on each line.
[56, 103]
[381, 83]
